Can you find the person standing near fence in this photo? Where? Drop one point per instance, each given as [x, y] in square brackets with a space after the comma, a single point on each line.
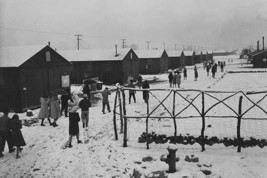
[170, 76]
[145, 93]
[105, 101]
[185, 73]
[139, 81]
[5, 133]
[85, 104]
[16, 135]
[131, 92]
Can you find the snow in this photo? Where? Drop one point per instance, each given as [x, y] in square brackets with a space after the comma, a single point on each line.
[101, 155]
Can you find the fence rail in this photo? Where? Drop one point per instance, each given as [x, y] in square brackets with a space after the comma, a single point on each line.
[201, 104]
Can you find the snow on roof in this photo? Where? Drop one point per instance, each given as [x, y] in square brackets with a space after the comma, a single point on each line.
[188, 53]
[16, 55]
[209, 51]
[258, 52]
[149, 53]
[174, 53]
[94, 54]
[197, 52]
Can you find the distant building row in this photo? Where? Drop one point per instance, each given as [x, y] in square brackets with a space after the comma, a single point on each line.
[25, 72]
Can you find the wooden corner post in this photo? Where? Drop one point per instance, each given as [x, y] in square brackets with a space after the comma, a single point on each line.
[203, 122]
[239, 124]
[114, 115]
[125, 119]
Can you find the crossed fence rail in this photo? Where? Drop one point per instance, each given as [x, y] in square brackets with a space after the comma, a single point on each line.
[183, 104]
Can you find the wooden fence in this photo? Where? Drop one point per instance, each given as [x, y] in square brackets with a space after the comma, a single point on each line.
[202, 107]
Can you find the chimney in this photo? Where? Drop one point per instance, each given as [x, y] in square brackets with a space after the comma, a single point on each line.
[116, 52]
[48, 43]
[258, 46]
[263, 43]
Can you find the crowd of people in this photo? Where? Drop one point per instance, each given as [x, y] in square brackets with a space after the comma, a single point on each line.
[70, 103]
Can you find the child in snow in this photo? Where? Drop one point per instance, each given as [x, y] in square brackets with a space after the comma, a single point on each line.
[16, 135]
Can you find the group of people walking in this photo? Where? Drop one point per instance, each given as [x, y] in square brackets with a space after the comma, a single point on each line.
[175, 79]
[213, 67]
[10, 132]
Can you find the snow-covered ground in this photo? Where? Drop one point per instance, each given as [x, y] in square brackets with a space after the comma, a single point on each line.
[101, 155]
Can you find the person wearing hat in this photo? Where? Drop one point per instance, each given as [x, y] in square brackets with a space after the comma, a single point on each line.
[105, 101]
[85, 104]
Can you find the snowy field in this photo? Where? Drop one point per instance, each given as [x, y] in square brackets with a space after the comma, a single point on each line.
[101, 155]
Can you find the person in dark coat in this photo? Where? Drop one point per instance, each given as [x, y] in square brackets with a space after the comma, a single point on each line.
[74, 120]
[170, 76]
[196, 73]
[131, 92]
[5, 133]
[145, 93]
[64, 103]
[16, 135]
[185, 73]
[221, 66]
[85, 104]
[213, 70]
[105, 100]
[86, 90]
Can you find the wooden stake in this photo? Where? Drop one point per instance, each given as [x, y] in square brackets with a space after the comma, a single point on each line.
[114, 115]
[147, 104]
[203, 122]
[173, 113]
[239, 123]
[125, 120]
[121, 118]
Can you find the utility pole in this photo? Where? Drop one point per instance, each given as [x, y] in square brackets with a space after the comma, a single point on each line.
[78, 40]
[123, 42]
[148, 44]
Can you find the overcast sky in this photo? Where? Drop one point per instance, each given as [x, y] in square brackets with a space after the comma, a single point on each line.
[215, 24]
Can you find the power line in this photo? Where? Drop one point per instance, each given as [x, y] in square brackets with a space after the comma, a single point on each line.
[78, 40]
[123, 42]
[148, 44]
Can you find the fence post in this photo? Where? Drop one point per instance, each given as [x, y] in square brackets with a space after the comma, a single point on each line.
[147, 110]
[173, 113]
[114, 115]
[125, 120]
[121, 119]
[239, 124]
[203, 122]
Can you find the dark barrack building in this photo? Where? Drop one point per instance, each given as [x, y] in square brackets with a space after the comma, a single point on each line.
[26, 72]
